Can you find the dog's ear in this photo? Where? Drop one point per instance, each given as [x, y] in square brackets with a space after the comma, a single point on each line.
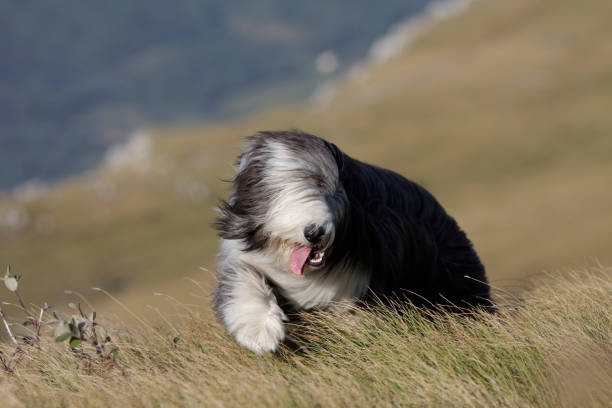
[230, 224]
[337, 153]
[233, 223]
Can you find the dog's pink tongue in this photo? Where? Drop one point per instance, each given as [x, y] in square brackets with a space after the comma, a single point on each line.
[298, 258]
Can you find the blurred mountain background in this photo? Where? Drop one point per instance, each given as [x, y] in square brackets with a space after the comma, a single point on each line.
[76, 77]
[502, 111]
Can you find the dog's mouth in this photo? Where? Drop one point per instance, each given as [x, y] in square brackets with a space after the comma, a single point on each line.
[302, 255]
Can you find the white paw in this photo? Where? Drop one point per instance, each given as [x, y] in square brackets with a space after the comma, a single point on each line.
[263, 333]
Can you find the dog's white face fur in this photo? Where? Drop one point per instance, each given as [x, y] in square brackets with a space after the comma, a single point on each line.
[298, 202]
[294, 190]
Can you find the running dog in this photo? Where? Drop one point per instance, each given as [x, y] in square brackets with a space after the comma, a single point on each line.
[308, 227]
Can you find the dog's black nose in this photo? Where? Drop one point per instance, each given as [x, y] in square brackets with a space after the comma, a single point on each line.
[314, 233]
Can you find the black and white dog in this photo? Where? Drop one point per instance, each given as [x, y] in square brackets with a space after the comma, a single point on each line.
[306, 226]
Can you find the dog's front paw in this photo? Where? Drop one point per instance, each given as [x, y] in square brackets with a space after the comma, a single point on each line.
[262, 334]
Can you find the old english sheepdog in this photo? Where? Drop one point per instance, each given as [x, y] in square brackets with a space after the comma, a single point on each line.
[308, 227]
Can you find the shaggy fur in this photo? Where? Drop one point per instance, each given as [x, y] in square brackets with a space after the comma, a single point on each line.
[368, 232]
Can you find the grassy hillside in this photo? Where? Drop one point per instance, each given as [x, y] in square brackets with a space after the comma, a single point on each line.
[554, 351]
[503, 113]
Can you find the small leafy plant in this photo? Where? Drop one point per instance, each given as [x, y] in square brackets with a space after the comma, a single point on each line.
[86, 339]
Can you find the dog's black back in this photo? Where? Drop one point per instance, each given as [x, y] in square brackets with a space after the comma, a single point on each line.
[412, 247]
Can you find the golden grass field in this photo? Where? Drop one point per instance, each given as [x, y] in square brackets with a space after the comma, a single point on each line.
[502, 112]
[554, 351]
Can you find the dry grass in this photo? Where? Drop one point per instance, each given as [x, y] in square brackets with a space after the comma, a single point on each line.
[554, 349]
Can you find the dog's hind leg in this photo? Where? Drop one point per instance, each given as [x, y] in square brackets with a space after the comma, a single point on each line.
[248, 308]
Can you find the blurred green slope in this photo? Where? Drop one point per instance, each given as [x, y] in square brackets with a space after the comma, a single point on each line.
[502, 112]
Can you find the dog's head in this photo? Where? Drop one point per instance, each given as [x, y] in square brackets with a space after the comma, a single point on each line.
[286, 198]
